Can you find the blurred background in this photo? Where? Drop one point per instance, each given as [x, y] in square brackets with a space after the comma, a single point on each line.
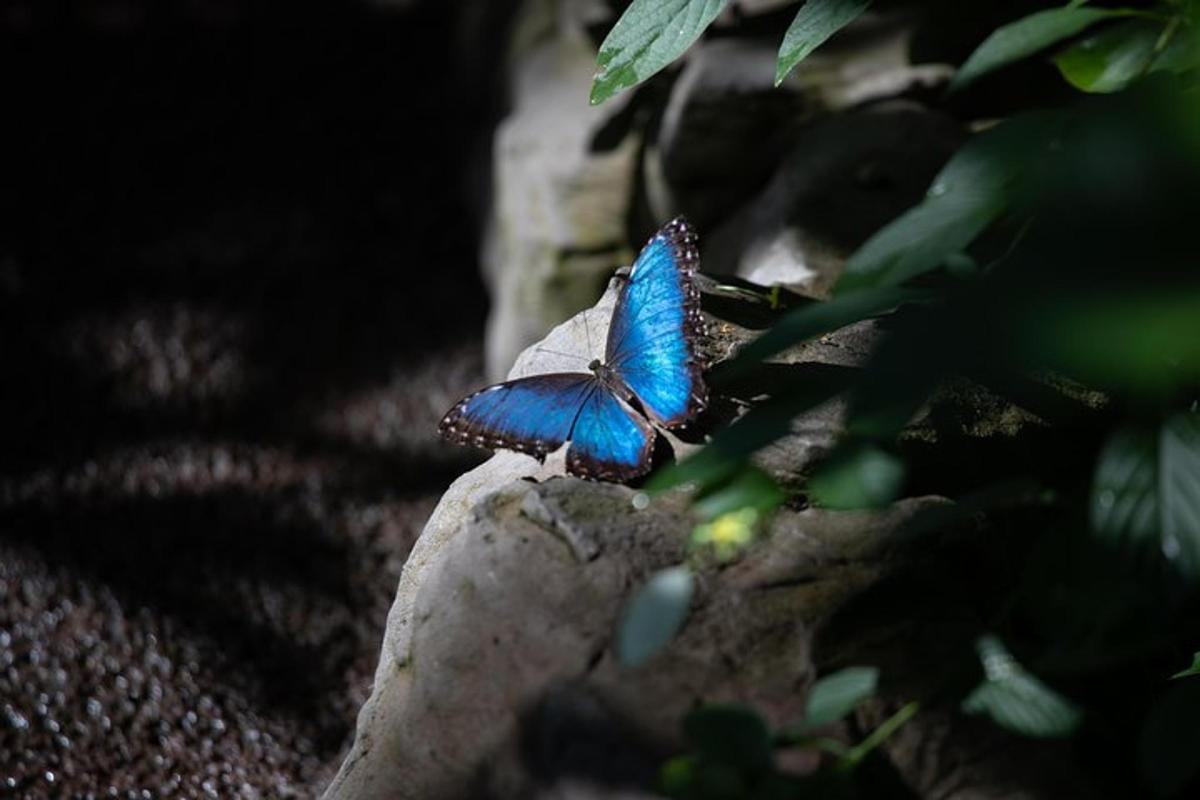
[251, 251]
[239, 285]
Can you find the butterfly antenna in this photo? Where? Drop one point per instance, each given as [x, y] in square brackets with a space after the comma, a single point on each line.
[541, 349]
[587, 333]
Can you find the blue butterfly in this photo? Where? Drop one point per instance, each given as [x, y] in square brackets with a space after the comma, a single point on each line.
[650, 374]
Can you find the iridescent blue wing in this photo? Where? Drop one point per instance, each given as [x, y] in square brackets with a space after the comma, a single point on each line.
[610, 441]
[534, 415]
[655, 325]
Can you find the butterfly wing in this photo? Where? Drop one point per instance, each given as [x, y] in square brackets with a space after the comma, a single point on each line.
[534, 415]
[655, 325]
[609, 441]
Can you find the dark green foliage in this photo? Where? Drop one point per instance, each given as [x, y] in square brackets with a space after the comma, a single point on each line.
[649, 36]
[1017, 700]
[1055, 254]
[816, 22]
[1027, 36]
[731, 752]
[654, 614]
[837, 695]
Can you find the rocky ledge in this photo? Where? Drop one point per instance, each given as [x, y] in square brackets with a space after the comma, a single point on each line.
[497, 676]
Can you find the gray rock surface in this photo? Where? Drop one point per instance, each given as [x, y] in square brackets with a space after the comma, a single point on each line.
[557, 224]
[503, 636]
[845, 177]
[704, 144]
[496, 676]
[727, 129]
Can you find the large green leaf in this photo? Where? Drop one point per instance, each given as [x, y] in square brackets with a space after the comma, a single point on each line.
[974, 188]
[654, 615]
[1191, 671]
[725, 456]
[1027, 36]
[727, 453]
[1016, 700]
[1106, 61]
[857, 476]
[1146, 493]
[816, 21]
[750, 489]
[649, 36]
[810, 321]
[839, 693]
[1124, 505]
[1179, 491]
[1137, 339]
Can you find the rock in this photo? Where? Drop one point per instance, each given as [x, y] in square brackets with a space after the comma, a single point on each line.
[559, 209]
[500, 637]
[496, 677]
[700, 164]
[726, 127]
[846, 177]
[562, 202]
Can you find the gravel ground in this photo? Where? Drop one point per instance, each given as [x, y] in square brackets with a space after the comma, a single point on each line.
[237, 289]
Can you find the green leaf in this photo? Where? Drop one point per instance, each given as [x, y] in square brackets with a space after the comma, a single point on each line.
[1194, 669]
[1017, 700]
[811, 321]
[816, 21]
[654, 615]
[750, 489]
[1124, 503]
[1106, 61]
[838, 694]
[730, 735]
[677, 776]
[1025, 37]
[857, 476]
[727, 453]
[1146, 493]
[974, 188]
[649, 36]
[1138, 339]
[1179, 491]
[1171, 738]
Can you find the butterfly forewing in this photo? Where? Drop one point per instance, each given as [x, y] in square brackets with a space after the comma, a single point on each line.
[652, 337]
[533, 415]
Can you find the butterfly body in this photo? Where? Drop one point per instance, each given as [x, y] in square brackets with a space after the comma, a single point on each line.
[650, 376]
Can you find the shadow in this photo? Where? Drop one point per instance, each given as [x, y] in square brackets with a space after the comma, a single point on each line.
[747, 304]
[293, 182]
[569, 733]
[806, 382]
[221, 565]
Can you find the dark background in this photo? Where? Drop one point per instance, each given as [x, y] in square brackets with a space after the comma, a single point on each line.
[238, 286]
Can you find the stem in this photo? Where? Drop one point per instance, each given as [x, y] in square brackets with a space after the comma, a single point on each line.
[878, 736]
[1164, 40]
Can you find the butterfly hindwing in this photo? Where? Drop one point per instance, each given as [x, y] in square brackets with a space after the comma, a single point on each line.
[651, 340]
[609, 440]
[533, 415]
